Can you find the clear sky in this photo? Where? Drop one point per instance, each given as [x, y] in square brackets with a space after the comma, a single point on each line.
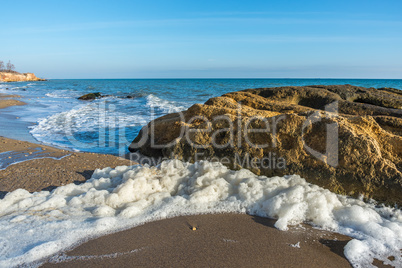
[203, 39]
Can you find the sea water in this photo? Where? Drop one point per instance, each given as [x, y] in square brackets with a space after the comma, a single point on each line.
[56, 117]
[35, 226]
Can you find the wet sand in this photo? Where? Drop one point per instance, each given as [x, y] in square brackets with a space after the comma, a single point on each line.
[22, 166]
[9, 100]
[221, 240]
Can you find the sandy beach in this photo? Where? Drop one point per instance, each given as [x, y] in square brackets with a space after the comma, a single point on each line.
[221, 240]
[51, 167]
[226, 240]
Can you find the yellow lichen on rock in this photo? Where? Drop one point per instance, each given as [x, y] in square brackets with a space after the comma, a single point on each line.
[294, 124]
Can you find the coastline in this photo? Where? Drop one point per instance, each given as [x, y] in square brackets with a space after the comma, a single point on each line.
[221, 239]
[36, 167]
[18, 77]
[218, 239]
[31, 165]
[61, 167]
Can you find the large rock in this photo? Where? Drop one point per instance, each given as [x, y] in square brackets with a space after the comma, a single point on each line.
[345, 138]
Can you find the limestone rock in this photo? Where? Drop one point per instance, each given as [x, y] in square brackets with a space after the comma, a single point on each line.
[18, 77]
[345, 138]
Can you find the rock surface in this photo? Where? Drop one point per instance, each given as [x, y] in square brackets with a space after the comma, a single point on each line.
[18, 77]
[91, 96]
[345, 138]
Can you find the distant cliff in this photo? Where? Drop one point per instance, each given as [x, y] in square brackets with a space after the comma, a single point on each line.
[16, 77]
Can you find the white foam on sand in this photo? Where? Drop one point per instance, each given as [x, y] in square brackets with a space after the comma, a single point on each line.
[38, 225]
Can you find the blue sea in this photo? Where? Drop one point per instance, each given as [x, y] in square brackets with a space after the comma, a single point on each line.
[56, 117]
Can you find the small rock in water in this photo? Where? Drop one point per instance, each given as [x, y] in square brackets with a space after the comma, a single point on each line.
[91, 96]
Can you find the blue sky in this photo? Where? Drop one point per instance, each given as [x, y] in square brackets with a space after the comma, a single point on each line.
[203, 39]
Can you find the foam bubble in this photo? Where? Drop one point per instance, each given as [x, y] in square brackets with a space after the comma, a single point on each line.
[36, 226]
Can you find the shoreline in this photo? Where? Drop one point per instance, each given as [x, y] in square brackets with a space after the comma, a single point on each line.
[16, 128]
[218, 239]
[36, 167]
[53, 167]
[227, 239]
[10, 100]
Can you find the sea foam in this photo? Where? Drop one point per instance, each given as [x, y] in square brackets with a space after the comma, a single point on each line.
[164, 106]
[38, 225]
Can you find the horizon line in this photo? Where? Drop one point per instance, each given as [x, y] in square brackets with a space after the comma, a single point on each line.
[222, 78]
